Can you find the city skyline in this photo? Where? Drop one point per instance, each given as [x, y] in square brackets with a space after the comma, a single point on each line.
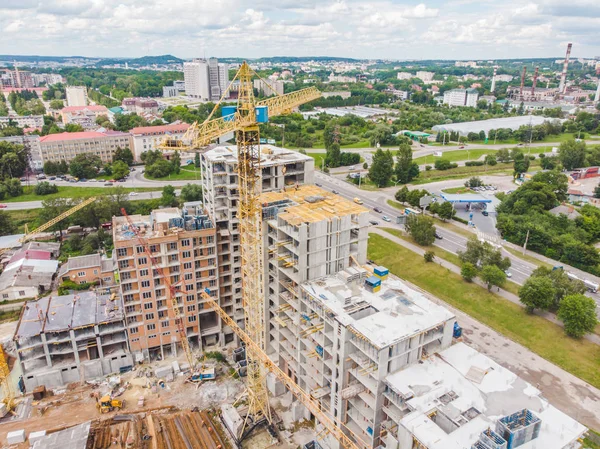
[459, 29]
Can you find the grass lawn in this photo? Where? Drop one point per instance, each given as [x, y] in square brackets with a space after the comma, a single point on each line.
[318, 157]
[579, 357]
[73, 192]
[22, 217]
[528, 258]
[396, 204]
[461, 190]
[472, 155]
[187, 173]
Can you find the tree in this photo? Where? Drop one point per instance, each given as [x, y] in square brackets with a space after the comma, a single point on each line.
[578, 313]
[490, 160]
[45, 188]
[191, 192]
[159, 169]
[124, 155]
[176, 162]
[468, 271]
[429, 256]
[503, 155]
[537, 293]
[119, 169]
[572, 154]
[150, 157]
[168, 197]
[446, 211]
[520, 164]
[382, 167]
[7, 224]
[13, 187]
[492, 275]
[421, 229]
[597, 191]
[482, 253]
[365, 166]
[406, 170]
[197, 160]
[402, 195]
[333, 156]
[85, 165]
[474, 181]
[57, 104]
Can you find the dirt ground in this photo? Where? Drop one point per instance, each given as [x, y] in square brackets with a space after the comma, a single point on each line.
[76, 405]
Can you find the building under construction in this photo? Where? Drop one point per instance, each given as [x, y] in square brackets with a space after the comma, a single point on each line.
[71, 338]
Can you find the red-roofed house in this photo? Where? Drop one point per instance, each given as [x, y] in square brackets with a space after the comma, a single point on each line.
[83, 115]
[144, 138]
[65, 146]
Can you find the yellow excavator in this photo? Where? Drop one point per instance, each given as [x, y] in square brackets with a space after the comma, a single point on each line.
[107, 404]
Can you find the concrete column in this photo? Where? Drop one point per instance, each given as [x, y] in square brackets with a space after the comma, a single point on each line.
[74, 344]
[46, 350]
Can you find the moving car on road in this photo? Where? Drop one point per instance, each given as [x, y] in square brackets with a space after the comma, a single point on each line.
[438, 235]
[386, 218]
[377, 209]
[373, 222]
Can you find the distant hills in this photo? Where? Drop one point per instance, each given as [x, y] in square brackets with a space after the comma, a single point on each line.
[143, 61]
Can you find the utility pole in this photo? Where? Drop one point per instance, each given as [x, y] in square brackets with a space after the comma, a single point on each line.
[526, 240]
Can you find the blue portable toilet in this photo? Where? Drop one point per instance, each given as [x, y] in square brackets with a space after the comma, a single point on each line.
[228, 113]
[262, 114]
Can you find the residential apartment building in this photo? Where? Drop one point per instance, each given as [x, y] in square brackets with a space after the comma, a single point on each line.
[197, 79]
[89, 269]
[426, 77]
[48, 78]
[268, 88]
[16, 78]
[65, 146]
[140, 105]
[170, 91]
[461, 97]
[32, 141]
[280, 168]
[23, 121]
[77, 96]
[219, 78]
[405, 75]
[184, 246]
[71, 338]
[146, 138]
[83, 115]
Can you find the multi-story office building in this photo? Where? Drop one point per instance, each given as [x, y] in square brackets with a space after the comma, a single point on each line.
[170, 91]
[65, 146]
[184, 247]
[146, 138]
[71, 338]
[280, 168]
[77, 96]
[426, 77]
[219, 78]
[461, 97]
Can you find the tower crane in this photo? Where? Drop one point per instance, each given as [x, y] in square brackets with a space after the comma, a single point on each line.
[244, 120]
[7, 389]
[171, 292]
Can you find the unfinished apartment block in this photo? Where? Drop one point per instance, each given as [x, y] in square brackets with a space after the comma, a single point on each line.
[71, 338]
[279, 168]
[460, 398]
[183, 245]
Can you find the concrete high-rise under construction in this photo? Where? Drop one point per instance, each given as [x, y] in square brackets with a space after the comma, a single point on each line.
[563, 78]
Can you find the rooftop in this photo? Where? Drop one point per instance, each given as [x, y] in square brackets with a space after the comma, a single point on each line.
[270, 155]
[469, 392]
[359, 111]
[93, 108]
[88, 261]
[60, 313]
[79, 136]
[160, 223]
[28, 272]
[390, 315]
[308, 204]
[495, 123]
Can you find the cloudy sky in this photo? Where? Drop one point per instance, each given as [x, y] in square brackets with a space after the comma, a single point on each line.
[437, 29]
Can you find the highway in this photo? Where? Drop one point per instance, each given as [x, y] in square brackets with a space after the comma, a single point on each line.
[452, 242]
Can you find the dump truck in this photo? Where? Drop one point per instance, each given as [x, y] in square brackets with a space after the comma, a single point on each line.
[107, 404]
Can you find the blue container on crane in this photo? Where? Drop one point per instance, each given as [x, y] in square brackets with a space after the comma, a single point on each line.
[262, 114]
[228, 113]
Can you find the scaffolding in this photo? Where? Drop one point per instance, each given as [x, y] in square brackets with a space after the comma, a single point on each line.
[519, 428]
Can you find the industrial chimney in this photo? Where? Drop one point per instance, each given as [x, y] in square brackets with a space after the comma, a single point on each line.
[535, 77]
[562, 87]
[522, 82]
[493, 89]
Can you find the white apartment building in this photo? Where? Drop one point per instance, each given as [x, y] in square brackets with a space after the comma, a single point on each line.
[405, 76]
[280, 168]
[197, 79]
[146, 138]
[205, 79]
[426, 77]
[504, 78]
[77, 96]
[23, 121]
[268, 88]
[461, 97]
[33, 142]
[170, 91]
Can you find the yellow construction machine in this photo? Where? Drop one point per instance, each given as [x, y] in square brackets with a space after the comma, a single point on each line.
[107, 404]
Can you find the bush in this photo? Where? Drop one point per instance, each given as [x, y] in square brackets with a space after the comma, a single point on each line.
[468, 271]
[66, 286]
[442, 164]
[159, 169]
[460, 220]
[45, 188]
[427, 167]
[429, 256]
[215, 355]
[474, 163]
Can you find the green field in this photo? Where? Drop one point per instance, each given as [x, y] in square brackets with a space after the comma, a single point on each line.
[579, 357]
[187, 173]
[73, 192]
[460, 190]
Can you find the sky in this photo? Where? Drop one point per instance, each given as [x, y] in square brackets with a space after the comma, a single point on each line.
[386, 29]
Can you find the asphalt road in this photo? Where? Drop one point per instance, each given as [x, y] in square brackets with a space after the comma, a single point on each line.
[452, 242]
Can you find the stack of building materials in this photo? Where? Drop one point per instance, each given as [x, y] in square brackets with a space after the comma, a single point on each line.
[15, 437]
[381, 272]
[519, 428]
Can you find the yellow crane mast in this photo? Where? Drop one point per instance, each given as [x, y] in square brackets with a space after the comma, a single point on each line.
[245, 122]
[9, 394]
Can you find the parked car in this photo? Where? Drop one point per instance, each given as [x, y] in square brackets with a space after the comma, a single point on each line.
[133, 193]
[377, 209]
[352, 167]
[23, 179]
[108, 184]
[386, 218]
[485, 213]
[374, 223]
[52, 178]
